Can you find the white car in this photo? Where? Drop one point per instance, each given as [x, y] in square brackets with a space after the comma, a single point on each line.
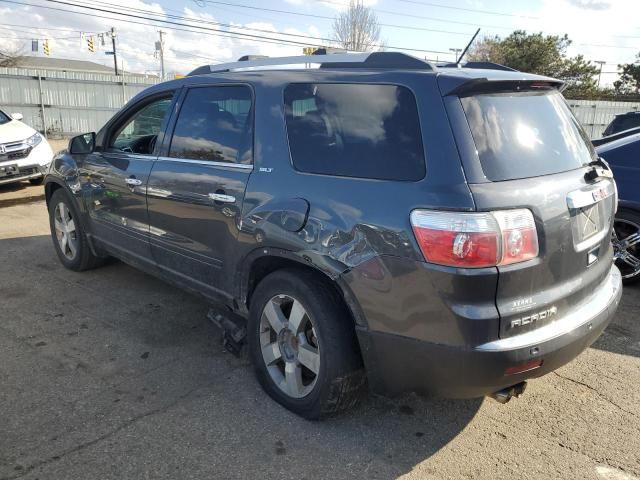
[24, 153]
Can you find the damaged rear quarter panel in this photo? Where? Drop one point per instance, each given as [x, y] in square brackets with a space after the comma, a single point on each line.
[349, 220]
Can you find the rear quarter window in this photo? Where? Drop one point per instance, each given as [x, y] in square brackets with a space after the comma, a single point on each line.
[526, 134]
[354, 130]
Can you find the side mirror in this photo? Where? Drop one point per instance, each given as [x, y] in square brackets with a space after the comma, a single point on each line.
[17, 116]
[83, 144]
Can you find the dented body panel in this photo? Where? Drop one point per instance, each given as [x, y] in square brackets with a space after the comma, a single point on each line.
[421, 326]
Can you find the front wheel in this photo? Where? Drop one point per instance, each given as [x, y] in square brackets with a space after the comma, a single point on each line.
[303, 345]
[69, 239]
[626, 244]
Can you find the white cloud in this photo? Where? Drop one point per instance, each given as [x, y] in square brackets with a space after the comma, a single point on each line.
[184, 50]
[334, 4]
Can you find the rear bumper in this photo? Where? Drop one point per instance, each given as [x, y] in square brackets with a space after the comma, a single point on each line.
[397, 364]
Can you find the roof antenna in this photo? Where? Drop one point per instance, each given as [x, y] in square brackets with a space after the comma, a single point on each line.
[467, 48]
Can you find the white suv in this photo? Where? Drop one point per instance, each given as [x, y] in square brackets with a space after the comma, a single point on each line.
[24, 153]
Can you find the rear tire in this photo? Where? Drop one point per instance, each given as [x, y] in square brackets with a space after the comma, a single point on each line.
[69, 238]
[309, 362]
[626, 244]
[36, 181]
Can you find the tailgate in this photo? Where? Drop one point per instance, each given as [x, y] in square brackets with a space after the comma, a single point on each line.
[573, 221]
[530, 152]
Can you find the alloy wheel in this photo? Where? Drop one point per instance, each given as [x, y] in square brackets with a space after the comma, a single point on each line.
[626, 247]
[66, 232]
[289, 345]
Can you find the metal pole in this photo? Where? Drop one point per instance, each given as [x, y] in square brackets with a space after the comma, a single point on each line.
[115, 56]
[601, 62]
[44, 118]
[161, 55]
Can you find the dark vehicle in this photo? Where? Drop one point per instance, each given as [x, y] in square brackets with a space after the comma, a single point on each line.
[622, 122]
[624, 157]
[376, 220]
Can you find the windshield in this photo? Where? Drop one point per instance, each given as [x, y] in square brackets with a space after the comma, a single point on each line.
[521, 135]
[4, 118]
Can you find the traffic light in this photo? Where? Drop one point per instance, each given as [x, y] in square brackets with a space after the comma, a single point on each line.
[91, 45]
[45, 47]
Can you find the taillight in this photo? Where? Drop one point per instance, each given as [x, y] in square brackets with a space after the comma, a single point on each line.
[474, 240]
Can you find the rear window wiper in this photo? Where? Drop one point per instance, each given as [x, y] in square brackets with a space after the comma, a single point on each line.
[598, 168]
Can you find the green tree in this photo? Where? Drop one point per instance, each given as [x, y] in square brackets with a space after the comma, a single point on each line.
[629, 82]
[541, 54]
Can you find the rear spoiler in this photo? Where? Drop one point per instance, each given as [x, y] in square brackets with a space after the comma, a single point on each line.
[484, 85]
[616, 136]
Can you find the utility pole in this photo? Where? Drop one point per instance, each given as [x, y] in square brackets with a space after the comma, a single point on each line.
[160, 50]
[115, 56]
[601, 63]
[455, 53]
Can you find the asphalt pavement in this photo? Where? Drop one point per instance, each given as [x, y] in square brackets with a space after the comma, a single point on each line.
[112, 374]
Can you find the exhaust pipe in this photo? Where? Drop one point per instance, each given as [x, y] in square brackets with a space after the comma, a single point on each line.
[504, 395]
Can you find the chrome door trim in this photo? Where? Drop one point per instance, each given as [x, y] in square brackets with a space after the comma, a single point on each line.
[239, 166]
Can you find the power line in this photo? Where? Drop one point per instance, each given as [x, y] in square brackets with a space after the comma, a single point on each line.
[473, 10]
[39, 28]
[147, 24]
[206, 22]
[324, 39]
[325, 17]
[421, 17]
[244, 36]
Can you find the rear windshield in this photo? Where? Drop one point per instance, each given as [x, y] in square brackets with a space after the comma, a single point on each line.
[521, 135]
[354, 130]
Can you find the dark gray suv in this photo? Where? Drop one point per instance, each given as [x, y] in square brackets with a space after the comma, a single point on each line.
[376, 220]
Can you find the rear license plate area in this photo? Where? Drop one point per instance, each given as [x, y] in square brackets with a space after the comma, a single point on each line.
[588, 221]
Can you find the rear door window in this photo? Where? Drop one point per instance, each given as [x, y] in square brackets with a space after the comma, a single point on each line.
[521, 135]
[215, 124]
[354, 130]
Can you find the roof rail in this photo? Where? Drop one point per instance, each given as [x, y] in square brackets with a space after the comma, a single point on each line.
[387, 60]
[247, 58]
[478, 65]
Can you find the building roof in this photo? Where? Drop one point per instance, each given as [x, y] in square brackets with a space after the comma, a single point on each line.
[63, 64]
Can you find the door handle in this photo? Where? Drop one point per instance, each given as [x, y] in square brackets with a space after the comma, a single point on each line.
[133, 181]
[221, 197]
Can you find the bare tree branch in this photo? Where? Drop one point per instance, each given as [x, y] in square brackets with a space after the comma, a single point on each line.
[357, 28]
[10, 58]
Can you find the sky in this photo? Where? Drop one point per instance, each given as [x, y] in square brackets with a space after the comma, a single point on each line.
[601, 30]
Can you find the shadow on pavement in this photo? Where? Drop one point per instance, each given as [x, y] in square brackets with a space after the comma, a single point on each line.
[622, 336]
[114, 364]
[20, 193]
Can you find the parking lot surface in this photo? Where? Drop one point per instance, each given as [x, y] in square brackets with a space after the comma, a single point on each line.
[112, 374]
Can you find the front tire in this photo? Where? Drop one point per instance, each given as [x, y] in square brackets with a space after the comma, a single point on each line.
[626, 244]
[36, 181]
[303, 345]
[69, 238]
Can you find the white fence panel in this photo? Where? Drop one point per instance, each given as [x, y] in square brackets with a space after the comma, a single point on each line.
[595, 115]
[69, 102]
